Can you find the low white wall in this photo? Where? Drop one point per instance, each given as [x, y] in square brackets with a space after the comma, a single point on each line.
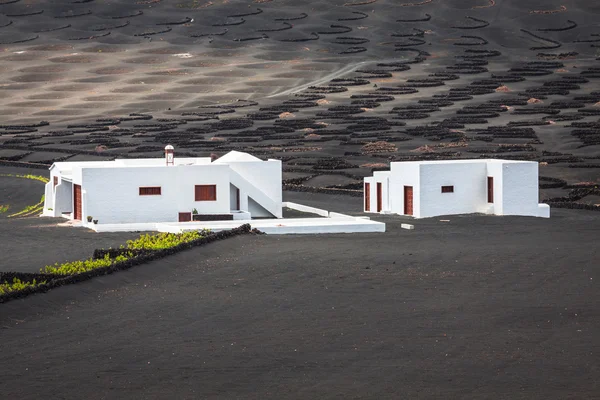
[543, 210]
[520, 192]
[140, 227]
[241, 216]
[303, 208]
[340, 216]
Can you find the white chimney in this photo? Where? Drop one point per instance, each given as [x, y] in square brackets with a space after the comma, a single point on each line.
[170, 155]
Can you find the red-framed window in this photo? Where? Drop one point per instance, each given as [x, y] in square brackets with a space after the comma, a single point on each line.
[150, 191]
[447, 189]
[205, 192]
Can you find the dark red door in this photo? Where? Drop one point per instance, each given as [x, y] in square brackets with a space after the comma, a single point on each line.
[77, 202]
[379, 197]
[367, 197]
[408, 200]
[490, 189]
[185, 217]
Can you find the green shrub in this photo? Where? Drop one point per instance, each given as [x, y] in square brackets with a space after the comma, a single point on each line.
[17, 285]
[164, 240]
[29, 176]
[78, 267]
[157, 241]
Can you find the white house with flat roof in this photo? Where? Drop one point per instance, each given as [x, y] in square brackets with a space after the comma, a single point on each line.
[430, 188]
[125, 191]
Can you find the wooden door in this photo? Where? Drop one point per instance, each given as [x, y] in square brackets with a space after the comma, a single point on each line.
[408, 200]
[490, 189]
[379, 197]
[77, 202]
[185, 217]
[237, 198]
[367, 197]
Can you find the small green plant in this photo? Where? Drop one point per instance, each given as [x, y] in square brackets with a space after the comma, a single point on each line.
[28, 176]
[157, 241]
[194, 211]
[161, 241]
[90, 218]
[30, 210]
[3, 208]
[17, 285]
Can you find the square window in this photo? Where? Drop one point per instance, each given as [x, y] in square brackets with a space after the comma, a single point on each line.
[150, 191]
[205, 192]
[447, 189]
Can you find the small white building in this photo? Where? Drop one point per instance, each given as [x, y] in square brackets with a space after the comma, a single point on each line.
[430, 188]
[235, 186]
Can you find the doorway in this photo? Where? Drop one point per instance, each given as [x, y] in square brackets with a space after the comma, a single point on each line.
[408, 200]
[77, 202]
[379, 197]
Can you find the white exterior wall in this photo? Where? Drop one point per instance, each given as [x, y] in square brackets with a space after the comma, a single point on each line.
[520, 188]
[470, 189]
[111, 195]
[404, 174]
[262, 180]
[515, 188]
[381, 177]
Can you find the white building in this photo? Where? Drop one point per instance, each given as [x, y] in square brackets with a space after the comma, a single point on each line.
[429, 188]
[235, 186]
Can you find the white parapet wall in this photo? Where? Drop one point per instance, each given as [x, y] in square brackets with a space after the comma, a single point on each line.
[291, 226]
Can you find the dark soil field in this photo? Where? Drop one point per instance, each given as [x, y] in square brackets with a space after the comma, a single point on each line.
[335, 88]
[478, 307]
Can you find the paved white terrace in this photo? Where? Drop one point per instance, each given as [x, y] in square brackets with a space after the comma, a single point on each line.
[330, 223]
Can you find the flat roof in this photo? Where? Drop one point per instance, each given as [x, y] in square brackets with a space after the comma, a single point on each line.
[469, 161]
[65, 167]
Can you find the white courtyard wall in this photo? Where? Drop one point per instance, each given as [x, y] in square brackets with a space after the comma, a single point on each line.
[111, 195]
[264, 175]
[63, 198]
[520, 189]
[48, 196]
[260, 176]
[256, 210]
[469, 181]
